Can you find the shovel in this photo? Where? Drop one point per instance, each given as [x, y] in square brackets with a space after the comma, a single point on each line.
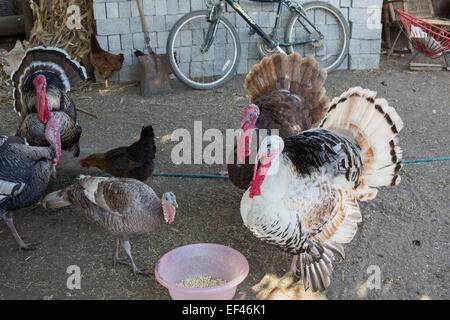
[153, 68]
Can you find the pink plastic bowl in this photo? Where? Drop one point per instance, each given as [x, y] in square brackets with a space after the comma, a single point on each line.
[202, 259]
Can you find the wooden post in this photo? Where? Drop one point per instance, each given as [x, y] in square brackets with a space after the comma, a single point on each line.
[12, 25]
[28, 17]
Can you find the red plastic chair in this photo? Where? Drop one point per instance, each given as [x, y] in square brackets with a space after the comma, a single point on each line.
[425, 37]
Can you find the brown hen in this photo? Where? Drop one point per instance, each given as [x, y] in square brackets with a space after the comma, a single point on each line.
[106, 63]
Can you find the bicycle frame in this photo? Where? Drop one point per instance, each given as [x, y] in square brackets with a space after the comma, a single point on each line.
[215, 16]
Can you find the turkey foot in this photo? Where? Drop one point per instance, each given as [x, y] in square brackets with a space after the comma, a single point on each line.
[118, 260]
[127, 246]
[22, 245]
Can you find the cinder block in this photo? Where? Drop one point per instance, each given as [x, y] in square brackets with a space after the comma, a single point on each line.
[171, 20]
[135, 24]
[250, 5]
[197, 5]
[244, 37]
[126, 41]
[156, 23]
[112, 10]
[364, 31]
[162, 39]
[129, 73]
[184, 54]
[367, 3]
[114, 43]
[124, 9]
[369, 16]
[149, 7]
[355, 46]
[344, 64]
[230, 16]
[160, 7]
[113, 26]
[103, 42]
[364, 61]
[138, 40]
[186, 38]
[99, 11]
[134, 8]
[172, 7]
[184, 6]
[345, 3]
[242, 67]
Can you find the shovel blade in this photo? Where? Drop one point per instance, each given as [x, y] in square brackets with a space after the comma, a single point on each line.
[154, 74]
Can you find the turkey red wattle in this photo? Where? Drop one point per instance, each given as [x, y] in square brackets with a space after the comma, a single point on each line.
[53, 134]
[42, 109]
[169, 212]
[249, 115]
[259, 174]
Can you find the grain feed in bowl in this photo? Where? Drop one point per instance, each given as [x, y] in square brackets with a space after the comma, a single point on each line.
[201, 282]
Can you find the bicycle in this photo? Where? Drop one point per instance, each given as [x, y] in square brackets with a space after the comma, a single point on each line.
[204, 49]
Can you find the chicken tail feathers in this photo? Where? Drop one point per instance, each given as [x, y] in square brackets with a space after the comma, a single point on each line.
[300, 76]
[316, 264]
[374, 126]
[56, 200]
[54, 63]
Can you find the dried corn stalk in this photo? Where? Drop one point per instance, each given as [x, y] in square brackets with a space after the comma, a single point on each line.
[50, 26]
[50, 29]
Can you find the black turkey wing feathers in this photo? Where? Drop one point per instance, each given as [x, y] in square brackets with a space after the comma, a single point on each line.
[311, 150]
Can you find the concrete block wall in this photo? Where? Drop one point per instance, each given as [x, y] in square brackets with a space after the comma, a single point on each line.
[119, 29]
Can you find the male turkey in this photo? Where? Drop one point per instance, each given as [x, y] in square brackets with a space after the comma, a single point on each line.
[47, 112]
[24, 176]
[304, 192]
[122, 206]
[287, 94]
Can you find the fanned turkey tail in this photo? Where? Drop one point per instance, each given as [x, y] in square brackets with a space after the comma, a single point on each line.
[299, 76]
[373, 126]
[54, 63]
[316, 264]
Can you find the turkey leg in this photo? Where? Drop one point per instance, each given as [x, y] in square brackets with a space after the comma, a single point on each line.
[116, 255]
[127, 246]
[22, 245]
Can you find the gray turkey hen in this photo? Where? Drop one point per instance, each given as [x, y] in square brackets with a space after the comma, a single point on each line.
[287, 94]
[47, 112]
[122, 206]
[24, 176]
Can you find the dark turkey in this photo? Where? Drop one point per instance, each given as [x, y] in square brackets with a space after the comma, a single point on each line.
[47, 112]
[287, 94]
[24, 176]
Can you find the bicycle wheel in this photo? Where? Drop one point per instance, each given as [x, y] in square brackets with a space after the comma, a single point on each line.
[199, 70]
[331, 51]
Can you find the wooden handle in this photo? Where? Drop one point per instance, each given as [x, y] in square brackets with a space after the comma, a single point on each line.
[141, 13]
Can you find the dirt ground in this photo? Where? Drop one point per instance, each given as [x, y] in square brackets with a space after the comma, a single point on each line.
[405, 230]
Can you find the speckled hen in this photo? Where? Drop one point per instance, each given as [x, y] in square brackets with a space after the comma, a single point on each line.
[122, 206]
[24, 176]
